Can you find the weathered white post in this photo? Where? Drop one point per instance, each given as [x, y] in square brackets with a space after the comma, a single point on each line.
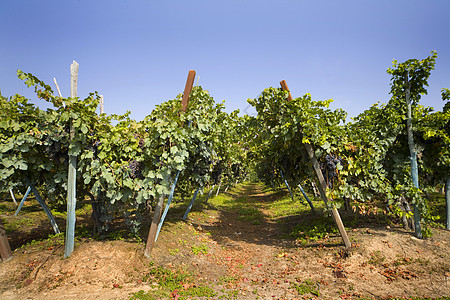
[72, 176]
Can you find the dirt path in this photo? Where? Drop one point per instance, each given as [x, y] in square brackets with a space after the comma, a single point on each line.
[233, 248]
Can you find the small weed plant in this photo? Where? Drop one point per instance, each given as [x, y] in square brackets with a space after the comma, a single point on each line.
[170, 281]
[306, 287]
[376, 258]
[203, 249]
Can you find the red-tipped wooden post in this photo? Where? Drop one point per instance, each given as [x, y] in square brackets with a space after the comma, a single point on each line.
[322, 183]
[188, 89]
[152, 234]
[285, 88]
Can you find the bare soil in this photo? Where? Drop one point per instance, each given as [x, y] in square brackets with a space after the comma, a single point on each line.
[235, 258]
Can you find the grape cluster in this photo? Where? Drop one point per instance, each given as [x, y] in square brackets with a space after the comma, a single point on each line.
[217, 173]
[135, 168]
[67, 128]
[94, 147]
[329, 168]
[94, 143]
[141, 141]
[236, 169]
[54, 151]
[200, 164]
[285, 163]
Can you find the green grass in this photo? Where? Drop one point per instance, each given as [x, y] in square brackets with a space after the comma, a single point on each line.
[314, 229]
[275, 203]
[52, 240]
[438, 210]
[15, 224]
[85, 209]
[278, 205]
[59, 214]
[220, 200]
[246, 210]
[170, 281]
[284, 206]
[248, 213]
[4, 208]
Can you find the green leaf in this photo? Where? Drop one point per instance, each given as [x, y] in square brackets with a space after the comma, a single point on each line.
[84, 129]
[21, 165]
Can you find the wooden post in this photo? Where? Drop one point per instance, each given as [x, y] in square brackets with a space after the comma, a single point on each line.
[285, 88]
[157, 220]
[57, 87]
[72, 176]
[188, 89]
[314, 188]
[5, 249]
[59, 91]
[154, 227]
[323, 188]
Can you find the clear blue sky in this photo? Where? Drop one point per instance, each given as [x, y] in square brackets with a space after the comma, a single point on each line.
[138, 53]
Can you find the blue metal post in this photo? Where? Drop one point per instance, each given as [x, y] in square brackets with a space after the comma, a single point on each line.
[190, 204]
[209, 193]
[306, 197]
[13, 197]
[218, 189]
[287, 184]
[22, 201]
[45, 207]
[71, 206]
[413, 157]
[167, 206]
